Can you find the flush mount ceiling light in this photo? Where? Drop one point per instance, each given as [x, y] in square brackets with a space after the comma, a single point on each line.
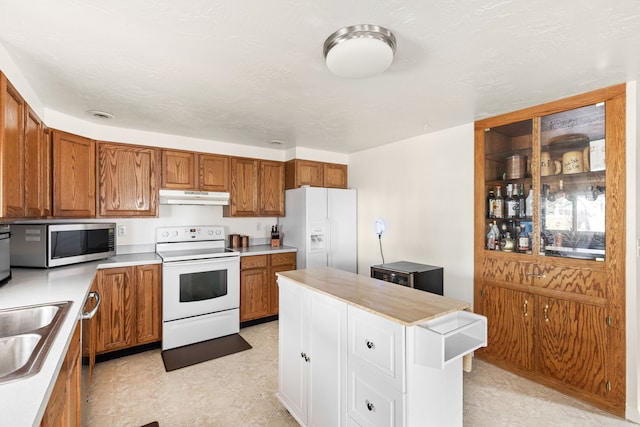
[359, 50]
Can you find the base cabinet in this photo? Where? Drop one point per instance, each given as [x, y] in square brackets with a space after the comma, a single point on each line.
[130, 312]
[63, 409]
[258, 283]
[312, 362]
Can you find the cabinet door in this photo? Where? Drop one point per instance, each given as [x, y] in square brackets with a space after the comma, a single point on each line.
[510, 325]
[244, 188]
[279, 262]
[11, 151]
[178, 170]
[254, 294]
[148, 303]
[335, 175]
[127, 180]
[325, 322]
[292, 368]
[303, 172]
[271, 188]
[573, 344]
[213, 172]
[74, 367]
[74, 176]
[37, 156]
[115, 316]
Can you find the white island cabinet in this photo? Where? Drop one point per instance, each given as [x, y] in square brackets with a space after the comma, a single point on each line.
[356, 351]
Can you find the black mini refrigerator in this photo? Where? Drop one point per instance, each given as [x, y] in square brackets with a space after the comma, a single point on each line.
[419, 276]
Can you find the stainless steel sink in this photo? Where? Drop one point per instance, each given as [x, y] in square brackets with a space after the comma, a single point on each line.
[20, 320]
[26, 335]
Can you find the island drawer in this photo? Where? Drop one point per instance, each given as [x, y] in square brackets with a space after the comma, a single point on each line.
[378, 344]
[440, 341]
[371, 402]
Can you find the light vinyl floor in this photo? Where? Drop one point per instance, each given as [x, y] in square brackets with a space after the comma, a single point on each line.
[239, 390]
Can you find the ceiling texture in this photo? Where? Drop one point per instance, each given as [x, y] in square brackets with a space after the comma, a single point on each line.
[248, 72]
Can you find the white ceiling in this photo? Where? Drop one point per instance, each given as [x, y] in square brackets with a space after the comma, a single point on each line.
[248, 72]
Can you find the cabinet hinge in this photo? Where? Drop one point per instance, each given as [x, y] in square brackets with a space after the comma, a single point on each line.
[608, 320]
[608, 386]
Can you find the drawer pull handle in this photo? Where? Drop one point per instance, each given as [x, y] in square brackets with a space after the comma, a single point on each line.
[524, 308]
[546, 312]
[371, 345]
[305, 357]
[370, 406]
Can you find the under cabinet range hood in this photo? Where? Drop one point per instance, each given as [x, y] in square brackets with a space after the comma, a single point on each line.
[189, 197]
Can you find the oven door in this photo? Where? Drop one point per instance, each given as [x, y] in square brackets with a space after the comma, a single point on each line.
[192, 288]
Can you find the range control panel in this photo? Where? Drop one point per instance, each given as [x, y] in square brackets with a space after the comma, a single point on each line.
[189, 233]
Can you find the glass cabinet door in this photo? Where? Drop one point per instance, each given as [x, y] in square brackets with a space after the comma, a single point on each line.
[572, 179]
[509, 187]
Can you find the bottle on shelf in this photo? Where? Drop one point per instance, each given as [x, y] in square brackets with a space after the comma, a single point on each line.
[528, 203]
[523, 240]
[562, 209]
[498, 204]
[510, 203]
[496, 233]
[490, 200]
[522, 208]
[491, 238]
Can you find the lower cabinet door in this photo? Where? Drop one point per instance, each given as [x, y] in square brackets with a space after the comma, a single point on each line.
[292, 369]
[312, 361]
[372, 402]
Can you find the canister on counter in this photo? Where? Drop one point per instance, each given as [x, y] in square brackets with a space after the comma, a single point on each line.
[245, 241]
[234, 240]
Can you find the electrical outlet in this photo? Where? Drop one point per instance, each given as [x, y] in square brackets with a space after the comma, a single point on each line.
[258, 226]
[122, 230]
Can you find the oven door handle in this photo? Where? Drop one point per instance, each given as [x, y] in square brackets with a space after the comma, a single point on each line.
[193, 262]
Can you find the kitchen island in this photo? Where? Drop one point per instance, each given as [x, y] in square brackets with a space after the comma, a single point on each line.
[357, 351]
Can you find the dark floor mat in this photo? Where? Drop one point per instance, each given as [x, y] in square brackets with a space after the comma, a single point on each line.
[153, 424]
[188, 355]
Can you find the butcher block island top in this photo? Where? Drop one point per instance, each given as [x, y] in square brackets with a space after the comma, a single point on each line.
[401, 304]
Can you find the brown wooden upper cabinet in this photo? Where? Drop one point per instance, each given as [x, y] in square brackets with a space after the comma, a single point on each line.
[187, 170]
[299, 172]
[213, 172]
[37, 158]
[178, 170]
[257, 188]
[25, 158]
[74, 175]
[11, 151]
[335, 175]
[127, 180]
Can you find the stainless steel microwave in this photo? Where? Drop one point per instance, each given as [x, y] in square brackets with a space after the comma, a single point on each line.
[45, 245]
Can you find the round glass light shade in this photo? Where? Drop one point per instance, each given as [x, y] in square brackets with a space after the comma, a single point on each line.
[359, 50]
[359, 58]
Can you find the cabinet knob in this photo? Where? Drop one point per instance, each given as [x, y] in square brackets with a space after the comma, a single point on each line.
[371, 345]
[370, 406]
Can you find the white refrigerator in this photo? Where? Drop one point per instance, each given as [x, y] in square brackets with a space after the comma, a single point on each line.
[321, 224]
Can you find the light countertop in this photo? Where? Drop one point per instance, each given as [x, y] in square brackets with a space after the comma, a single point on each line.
[264, 250]
[22, 402]
[400, 304]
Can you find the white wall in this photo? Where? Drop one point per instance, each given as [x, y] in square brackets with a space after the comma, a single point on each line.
[423, 188]
[632, 264]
